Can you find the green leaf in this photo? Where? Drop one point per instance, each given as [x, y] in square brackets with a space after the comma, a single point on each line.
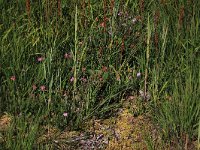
[105, 75]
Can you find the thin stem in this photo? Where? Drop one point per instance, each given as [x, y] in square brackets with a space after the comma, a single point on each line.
[75, 54]
[147, 56]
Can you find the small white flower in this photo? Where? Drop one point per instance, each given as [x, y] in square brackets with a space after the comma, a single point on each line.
[139, 75]
[143, 96]
[134, 20]
[55, 141]
[120, 13]
[65, 114]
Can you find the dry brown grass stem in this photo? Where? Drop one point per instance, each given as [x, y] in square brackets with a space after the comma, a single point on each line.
[141, 5]
[28, 8]
[189, 2]
[47, 10]
[51, 7]
[112, 3]
[163, 2]
[84, 14]
[181, 17]
[59, 7]
[104, 14]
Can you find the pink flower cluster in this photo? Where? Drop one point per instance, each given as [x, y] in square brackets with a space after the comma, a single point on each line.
[42, 87]
[65, 114]
[13, 78]
[40, 59]
[68, 56]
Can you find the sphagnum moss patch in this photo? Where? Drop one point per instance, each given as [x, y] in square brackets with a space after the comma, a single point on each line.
[123, 131]
[65, 62]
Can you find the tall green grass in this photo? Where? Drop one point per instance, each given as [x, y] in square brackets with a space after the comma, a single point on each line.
[83, 63]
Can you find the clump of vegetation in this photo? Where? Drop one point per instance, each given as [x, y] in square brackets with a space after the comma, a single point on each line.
[63, 63]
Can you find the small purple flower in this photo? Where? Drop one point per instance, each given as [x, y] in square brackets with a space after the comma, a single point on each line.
[72, 79]
[42, 88]
[67, 56]
[40, 59]
[83, 79]
[34, 87]
[139, 75]
[13, 78]
[120, 13]
[145, 96]
[65, 114]
[134, 20]
[130, 78]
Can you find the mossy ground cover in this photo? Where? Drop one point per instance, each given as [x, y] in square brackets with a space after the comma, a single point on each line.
[103, 74]
[123, 130]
